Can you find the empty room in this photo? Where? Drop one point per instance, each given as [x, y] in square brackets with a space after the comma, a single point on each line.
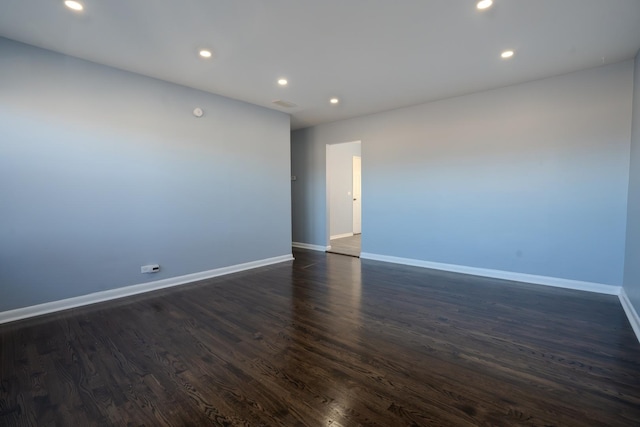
[176, 179]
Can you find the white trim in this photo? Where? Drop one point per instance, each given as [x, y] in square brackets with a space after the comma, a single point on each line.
[500, 274]
[340, 236]
[310, 246]
[631, 312]
[65, 304]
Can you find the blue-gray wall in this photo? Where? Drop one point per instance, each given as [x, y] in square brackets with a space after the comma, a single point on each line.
[632, 262]
[102, 171]
[530, 178]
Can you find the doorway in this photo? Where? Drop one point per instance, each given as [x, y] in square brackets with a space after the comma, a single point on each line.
[357, 194]
[344, 198]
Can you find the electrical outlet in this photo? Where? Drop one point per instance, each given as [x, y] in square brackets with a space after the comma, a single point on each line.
[151, 268]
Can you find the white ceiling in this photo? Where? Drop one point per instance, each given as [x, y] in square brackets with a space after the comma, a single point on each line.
[374, 55]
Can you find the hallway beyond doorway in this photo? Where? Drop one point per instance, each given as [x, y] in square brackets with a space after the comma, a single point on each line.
[347, 245]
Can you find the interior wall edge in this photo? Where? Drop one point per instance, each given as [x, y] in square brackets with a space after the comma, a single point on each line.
[310, 246]
[557, 282]
[630, 311]
[117, 293]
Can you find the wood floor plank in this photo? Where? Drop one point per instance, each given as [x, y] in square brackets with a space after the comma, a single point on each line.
[328, 340]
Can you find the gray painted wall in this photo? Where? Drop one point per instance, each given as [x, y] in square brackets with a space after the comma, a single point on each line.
[530, 178]
[632, 261]
[102, 171]
[340, 171]
[310, 217]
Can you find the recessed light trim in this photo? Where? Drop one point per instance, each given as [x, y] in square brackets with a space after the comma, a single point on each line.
[283, 82]
[484, 4]
[507, 54]
[334, 101]
[205, 53]
[74, 5]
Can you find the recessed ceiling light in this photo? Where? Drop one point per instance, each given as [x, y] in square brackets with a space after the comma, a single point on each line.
[507, 54]
[283, 82]
[74, 5]
[484, 4]
[205, 53]
[334, 100]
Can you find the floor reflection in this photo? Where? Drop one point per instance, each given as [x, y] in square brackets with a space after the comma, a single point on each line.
[326, 333]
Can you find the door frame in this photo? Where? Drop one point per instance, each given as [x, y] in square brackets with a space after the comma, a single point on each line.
[328, 188]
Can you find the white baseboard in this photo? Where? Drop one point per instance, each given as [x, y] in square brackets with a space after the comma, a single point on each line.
[340, 236]
[631, 312]
[310, 246]
[111, 294]
[499, 274]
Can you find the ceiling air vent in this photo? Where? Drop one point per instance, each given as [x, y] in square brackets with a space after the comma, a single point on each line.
[285, 104]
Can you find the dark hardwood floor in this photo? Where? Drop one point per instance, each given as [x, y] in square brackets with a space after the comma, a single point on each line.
[328, 340]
